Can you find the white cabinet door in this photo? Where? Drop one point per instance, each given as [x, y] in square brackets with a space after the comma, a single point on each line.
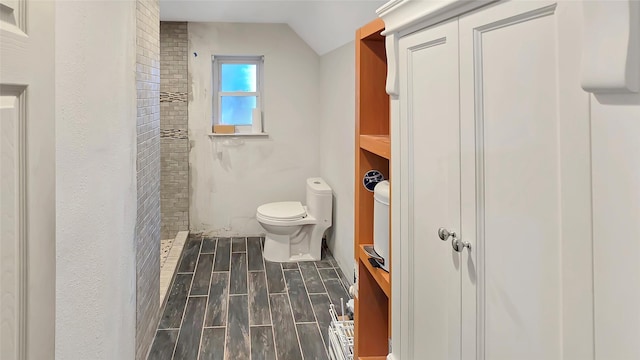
[27, 160]
[525, 188]
[430, 192]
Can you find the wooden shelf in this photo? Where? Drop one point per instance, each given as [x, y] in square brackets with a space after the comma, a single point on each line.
[382, 277]
[372, 313]
[377, 144]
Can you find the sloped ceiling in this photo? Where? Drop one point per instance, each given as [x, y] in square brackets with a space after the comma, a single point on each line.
[324, 24]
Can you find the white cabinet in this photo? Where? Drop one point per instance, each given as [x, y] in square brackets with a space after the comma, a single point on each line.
[430, 181]
[494, 146]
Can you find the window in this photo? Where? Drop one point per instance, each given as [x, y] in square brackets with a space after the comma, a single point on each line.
[237, 91]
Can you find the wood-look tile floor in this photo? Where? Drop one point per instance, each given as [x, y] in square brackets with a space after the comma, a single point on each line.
[227, 302]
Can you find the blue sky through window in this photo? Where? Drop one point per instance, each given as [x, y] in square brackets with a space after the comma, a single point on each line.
[237, 110]
[239, 77]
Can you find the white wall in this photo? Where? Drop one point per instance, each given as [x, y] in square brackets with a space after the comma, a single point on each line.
[337, 147]
[95, 180]
[616, 225]
[229, 179]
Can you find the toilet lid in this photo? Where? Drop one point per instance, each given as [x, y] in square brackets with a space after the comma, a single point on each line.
[285, 210]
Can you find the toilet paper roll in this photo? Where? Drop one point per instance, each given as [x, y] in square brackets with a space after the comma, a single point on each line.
[256, 126]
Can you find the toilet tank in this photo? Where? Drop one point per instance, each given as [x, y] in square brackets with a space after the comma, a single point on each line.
[319, 200]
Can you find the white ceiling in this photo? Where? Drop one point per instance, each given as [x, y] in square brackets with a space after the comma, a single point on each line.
[324, 24]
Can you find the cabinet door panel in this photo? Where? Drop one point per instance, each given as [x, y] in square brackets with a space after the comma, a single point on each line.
[430, 194]
[515, 167]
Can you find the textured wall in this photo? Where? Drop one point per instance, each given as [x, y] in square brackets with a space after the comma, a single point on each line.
[230, 178]
[95, 180]
[174, 144]
[337, 133]
[148, 173]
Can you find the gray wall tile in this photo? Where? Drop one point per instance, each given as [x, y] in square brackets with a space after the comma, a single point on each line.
[147, 243]
[174, 143]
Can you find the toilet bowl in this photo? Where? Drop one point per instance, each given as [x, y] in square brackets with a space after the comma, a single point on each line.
[294, 231]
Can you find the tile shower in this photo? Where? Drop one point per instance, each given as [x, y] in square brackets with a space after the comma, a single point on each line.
[227, 302]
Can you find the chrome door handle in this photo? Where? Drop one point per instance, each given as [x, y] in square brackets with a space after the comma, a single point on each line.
[444, 234]
[459, 245]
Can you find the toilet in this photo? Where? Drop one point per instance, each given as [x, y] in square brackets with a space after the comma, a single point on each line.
[294, 231]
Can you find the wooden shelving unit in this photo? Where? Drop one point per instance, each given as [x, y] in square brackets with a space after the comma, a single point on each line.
[373, 151]
[380, 276]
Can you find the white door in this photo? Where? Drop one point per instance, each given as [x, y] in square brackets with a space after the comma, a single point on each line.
[27, 187]
[430, 195]
[525, 185]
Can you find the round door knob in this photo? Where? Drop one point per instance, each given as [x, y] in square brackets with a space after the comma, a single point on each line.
[459, 245]
[444, 234]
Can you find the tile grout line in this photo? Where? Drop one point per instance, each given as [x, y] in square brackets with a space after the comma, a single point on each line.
[187, 302]
[293, 318]
[338, 270]
[326, 291]
[206, 305]
[226, 330]
[328, 298]
[246, 275]
[264, 265]
[304, 283]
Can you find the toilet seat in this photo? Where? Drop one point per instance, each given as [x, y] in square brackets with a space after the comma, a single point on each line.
[282, 211]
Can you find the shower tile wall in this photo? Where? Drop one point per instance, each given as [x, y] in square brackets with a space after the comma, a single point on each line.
[148, 172]
[174, 143]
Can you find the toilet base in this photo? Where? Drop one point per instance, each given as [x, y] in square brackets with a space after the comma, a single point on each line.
[281, 248]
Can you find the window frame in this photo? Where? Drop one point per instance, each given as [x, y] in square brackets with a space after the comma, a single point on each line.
[217, 62]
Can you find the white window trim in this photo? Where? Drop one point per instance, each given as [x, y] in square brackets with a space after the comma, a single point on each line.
[217, 61]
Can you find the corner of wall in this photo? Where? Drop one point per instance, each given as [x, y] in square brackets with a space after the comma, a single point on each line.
[337, 132]
[148, 173]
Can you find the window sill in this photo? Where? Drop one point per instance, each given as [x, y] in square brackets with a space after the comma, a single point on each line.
[264, 134]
